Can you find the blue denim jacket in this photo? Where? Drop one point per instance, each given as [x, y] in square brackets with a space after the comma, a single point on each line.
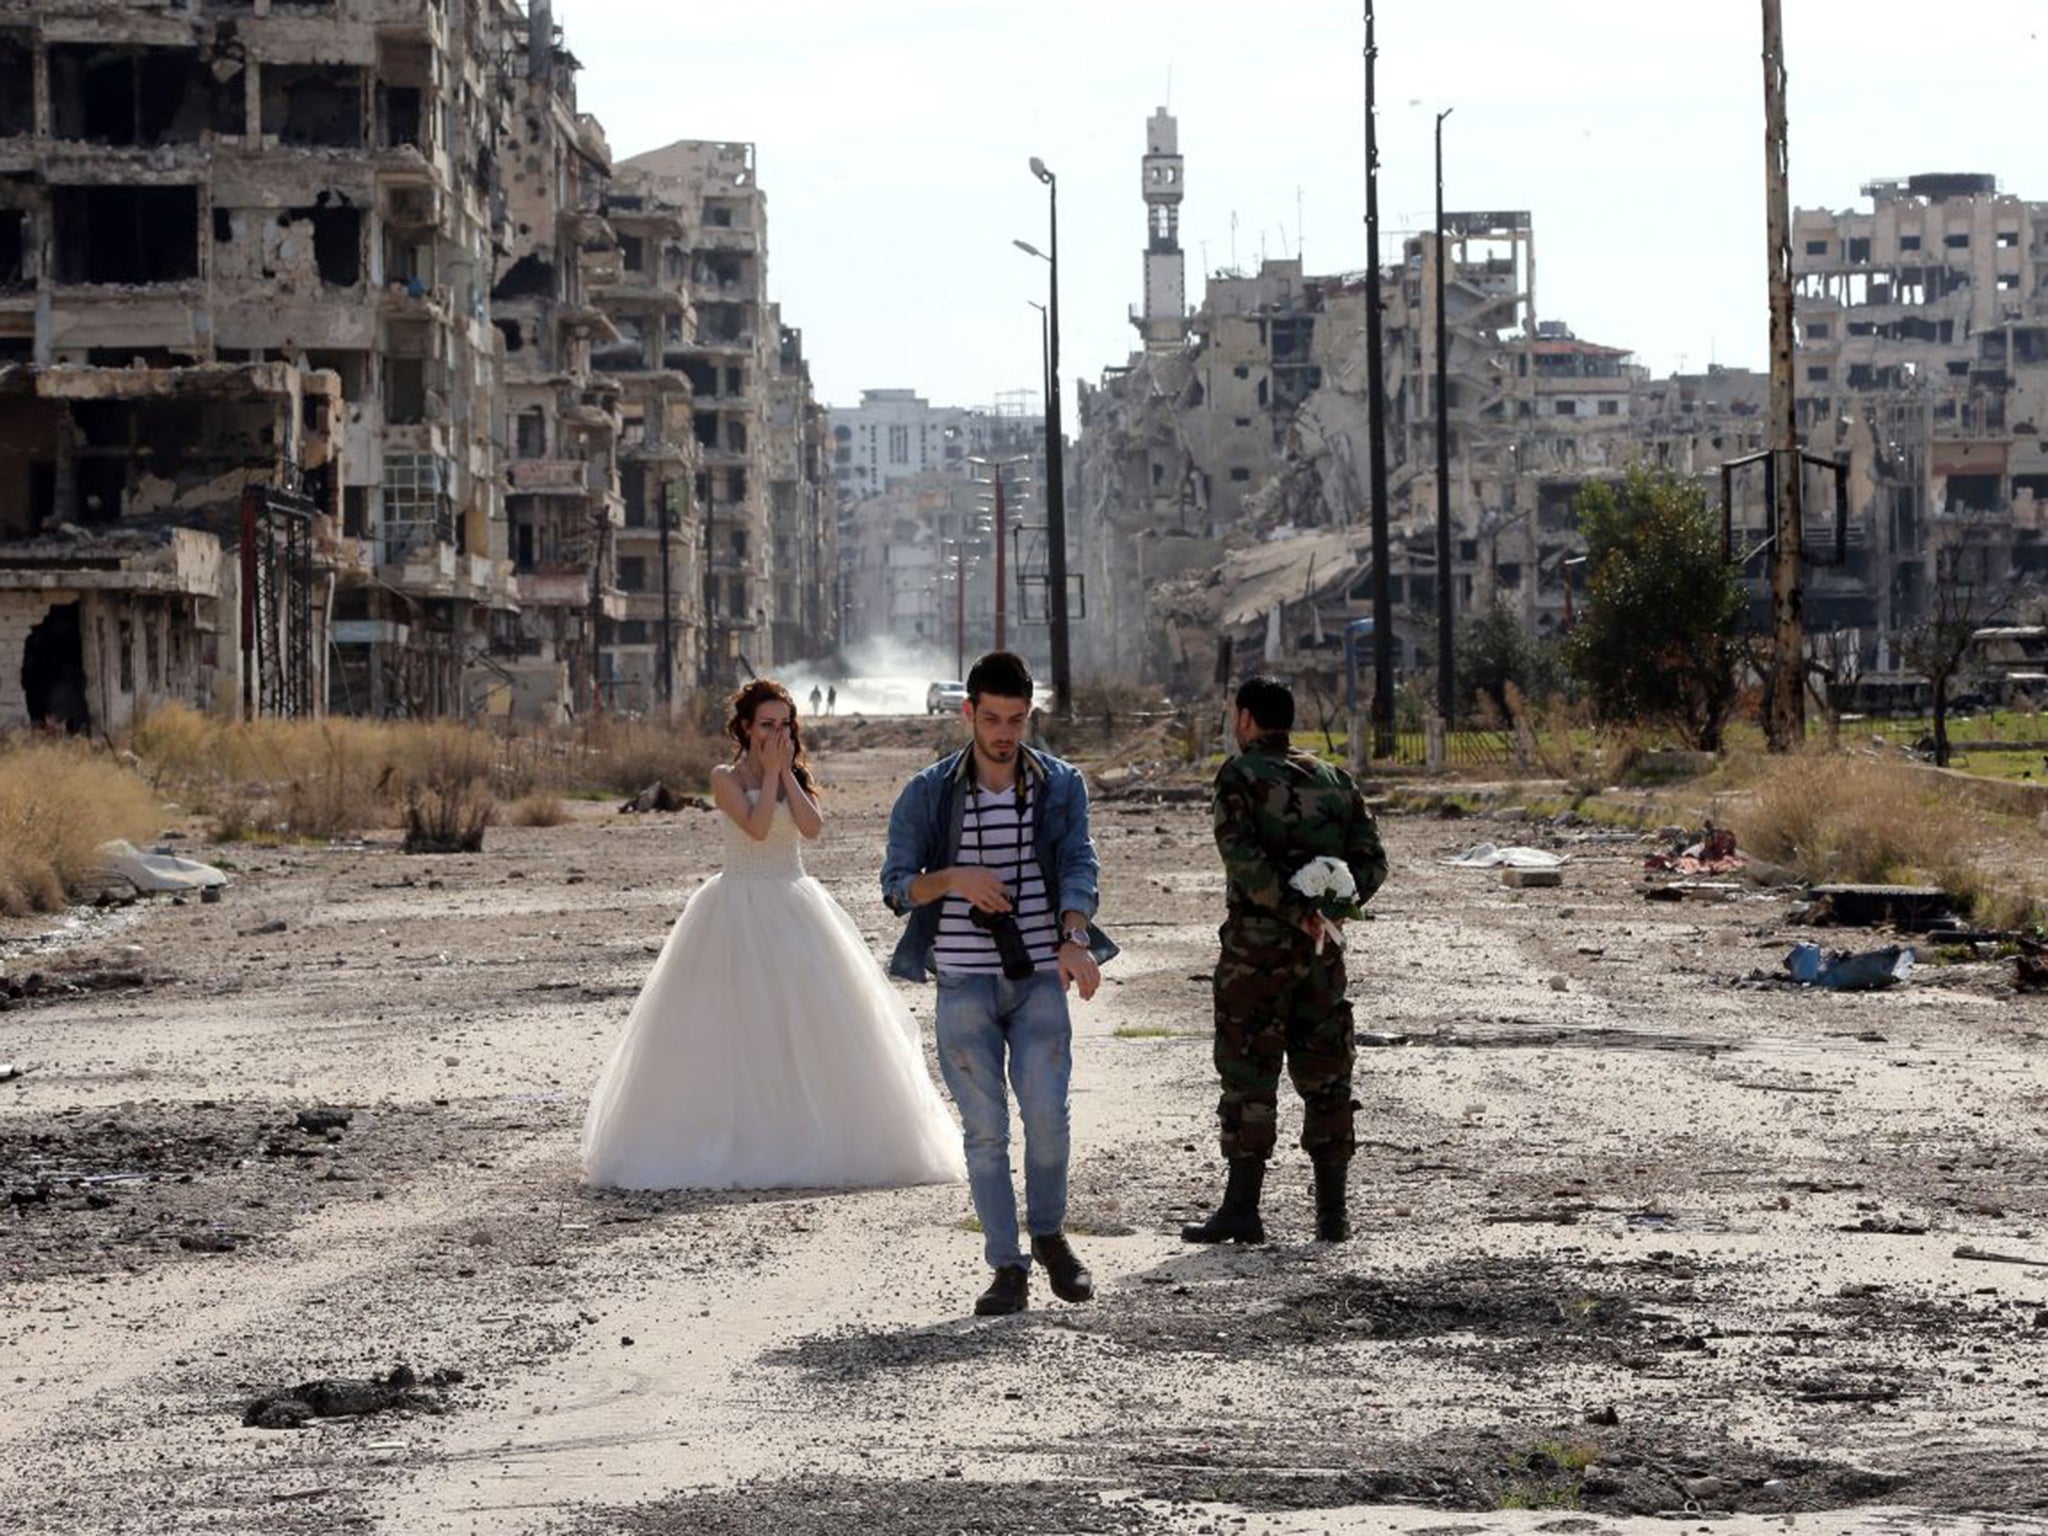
[924, 834]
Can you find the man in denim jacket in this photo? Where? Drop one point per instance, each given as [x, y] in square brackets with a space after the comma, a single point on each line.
[991, 861]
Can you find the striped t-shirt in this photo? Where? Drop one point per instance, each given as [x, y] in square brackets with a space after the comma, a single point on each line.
[995, 834]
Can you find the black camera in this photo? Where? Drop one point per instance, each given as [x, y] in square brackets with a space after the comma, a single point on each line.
[1009, 938]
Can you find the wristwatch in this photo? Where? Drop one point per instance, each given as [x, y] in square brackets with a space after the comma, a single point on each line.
[1075, 936]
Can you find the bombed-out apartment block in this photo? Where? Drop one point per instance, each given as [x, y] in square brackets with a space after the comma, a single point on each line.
[643, 286]
[207, 209]
[361, 256]
[726, 358]
[1923, 367]
[563, 507]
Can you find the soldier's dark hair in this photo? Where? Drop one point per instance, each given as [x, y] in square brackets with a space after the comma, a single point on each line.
[1270, 701]
[1002, 673]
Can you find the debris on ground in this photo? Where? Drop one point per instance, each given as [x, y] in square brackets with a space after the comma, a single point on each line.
[158, 872]
[1808, 964]
[2030, 966]
[335, 1397]
[659, 797]
[1911, 908]
[1489, 856]
[1692, 890]
[1713, 854]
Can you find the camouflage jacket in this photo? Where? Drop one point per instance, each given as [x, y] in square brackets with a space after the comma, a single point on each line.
[1277, 808]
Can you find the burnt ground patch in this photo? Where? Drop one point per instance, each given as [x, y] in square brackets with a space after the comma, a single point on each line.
[1510, 1313]
[856, 1355]
[1607, 1472]
[832, 1506]
[83, 1191]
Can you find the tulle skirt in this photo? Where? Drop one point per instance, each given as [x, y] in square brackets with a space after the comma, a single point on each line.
[767, 1051]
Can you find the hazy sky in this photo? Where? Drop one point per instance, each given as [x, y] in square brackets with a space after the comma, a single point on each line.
[893, 139]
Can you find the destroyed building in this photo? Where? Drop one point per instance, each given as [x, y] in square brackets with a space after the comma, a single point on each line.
[349, 255]
[1923, 355]
[916, 554]
[1923, 365]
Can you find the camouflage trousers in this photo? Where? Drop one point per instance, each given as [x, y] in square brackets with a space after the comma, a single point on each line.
[1279, 1003]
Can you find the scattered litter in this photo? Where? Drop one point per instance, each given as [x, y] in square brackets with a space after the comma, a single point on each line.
[10, 1070]
[1808, 964]
[1910, 907]
[659, 797]
[1986, 1256]
[1487, 856]
[2030, 966]
[1693, 890]
[1529, 879]
[151, 873]
[1713, 854]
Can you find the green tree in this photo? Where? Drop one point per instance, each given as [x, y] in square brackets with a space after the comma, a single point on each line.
[1656, 639]
[1494, 651]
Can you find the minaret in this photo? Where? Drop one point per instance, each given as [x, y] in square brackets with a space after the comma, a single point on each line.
[1163, 325]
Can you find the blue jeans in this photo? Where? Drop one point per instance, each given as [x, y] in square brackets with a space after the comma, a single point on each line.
[981, 1017]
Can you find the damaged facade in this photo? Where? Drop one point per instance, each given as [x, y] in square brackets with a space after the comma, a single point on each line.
[349, 254]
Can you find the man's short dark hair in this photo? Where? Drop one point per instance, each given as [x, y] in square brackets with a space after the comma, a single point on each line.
[1002, 673]
[1270, 701]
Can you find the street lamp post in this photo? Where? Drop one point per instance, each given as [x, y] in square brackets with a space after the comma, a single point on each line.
[1446, 663]
[1376, 407]
[1055, 465]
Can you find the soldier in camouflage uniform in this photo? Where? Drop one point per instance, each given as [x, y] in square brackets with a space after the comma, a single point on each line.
[1278, 999]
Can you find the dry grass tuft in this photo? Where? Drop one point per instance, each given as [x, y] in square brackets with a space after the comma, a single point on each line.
[542, 808]
[58, 802]
[445, 776]
[1846, 817]
[628, 755]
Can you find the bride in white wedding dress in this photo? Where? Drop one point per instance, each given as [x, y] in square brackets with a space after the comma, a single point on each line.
[767, 1050]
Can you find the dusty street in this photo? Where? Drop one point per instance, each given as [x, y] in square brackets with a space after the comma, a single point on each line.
[1641, 1242]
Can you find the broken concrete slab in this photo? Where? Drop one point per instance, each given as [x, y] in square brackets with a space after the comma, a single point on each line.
[1529, 879]
[1910, 907]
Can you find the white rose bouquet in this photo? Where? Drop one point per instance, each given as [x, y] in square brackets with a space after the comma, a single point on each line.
[1328, 885]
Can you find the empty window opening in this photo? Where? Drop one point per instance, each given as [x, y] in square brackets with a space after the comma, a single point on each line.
[1959, 241]
[1611, 407]
[1816, 247]
[632, 573]
[633, 253]
[53, 671]
[705, 424]
[1909, 242]
[2008, 239]
[13, 249]
[139, 95]
[736, 436]
[337, 239]
[530, 434]
[17, 84]
[1566, 408]
[405, 390]
[137, 235]
[513, 332]
[1240, 474]
[718, 215]
[1859, 248]
[313, 104]
[530, 277]
[735, 381]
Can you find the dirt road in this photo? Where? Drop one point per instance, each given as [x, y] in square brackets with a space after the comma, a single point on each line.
[1637, 1237]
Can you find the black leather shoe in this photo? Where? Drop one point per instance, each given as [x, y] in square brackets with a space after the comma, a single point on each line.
[1009, 1292]
[1236, 1220]
[1068, 1277]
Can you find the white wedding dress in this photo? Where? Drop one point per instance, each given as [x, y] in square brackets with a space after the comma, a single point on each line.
[767, 1050]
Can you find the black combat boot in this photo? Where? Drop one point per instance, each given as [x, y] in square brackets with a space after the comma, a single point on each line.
[1069, 1276]
[1236, 1220]
[1009, 1292]
[1333, 1222]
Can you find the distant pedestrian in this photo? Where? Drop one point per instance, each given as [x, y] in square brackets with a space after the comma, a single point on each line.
[832, 700]
[1280, 982]
[817, 699]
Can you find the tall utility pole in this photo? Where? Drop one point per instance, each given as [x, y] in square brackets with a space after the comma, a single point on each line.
[1785, 722]
[960, 608]
[1376, 418]
[1446, 661]
[1055, 464]
[1002, 561]
[663, 508]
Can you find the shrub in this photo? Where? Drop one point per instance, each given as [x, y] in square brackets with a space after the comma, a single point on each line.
[542, 808]
[58, 802]
[445, 771]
